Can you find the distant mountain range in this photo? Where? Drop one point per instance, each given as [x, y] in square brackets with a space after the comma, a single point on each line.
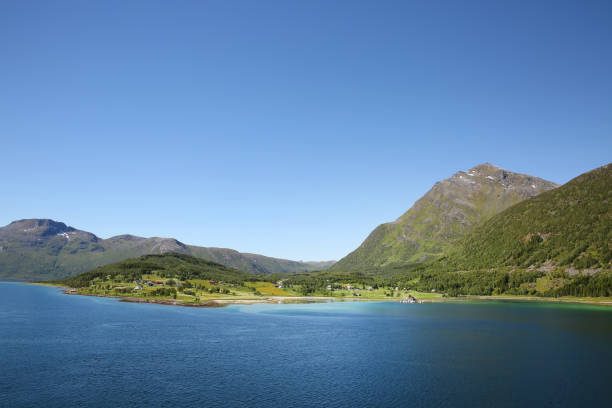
[451, 209]
[43, 249]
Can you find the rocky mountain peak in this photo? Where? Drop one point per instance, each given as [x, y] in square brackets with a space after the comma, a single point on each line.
[484, 169]
[165, 245]
[486, 172]
[38, 227]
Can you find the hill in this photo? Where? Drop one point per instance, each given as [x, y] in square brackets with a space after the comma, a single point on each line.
[43, 249]
[442, 216]
[170, 265]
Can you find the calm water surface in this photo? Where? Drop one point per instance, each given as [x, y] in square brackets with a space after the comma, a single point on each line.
[58, 350]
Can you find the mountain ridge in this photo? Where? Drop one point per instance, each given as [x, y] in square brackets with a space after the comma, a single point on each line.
[41, 249]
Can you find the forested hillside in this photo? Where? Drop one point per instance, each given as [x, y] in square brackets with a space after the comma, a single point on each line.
[569, 226]
[172, 265]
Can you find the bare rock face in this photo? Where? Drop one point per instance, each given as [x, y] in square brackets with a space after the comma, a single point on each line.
[34, 228]
[445, 213]
[165, 245]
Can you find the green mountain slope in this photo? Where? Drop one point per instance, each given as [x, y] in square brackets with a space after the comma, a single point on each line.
[171, 265]
[442, 216]
[570, 226]
[42, 249]
[556, 244]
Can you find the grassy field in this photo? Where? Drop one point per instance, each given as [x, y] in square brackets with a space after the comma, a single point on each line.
[388, 293]
[268, 289]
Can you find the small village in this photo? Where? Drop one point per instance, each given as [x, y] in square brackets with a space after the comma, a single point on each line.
[194, 291]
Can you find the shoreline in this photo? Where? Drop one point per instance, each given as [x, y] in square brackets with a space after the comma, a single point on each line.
[328, 299]
[214, 302]
[537, 299]
[323, 299]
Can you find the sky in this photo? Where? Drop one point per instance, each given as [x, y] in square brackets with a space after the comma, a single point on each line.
[288, 128]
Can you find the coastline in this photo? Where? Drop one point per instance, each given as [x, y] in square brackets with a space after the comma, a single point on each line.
[322, 299]
[325, 299]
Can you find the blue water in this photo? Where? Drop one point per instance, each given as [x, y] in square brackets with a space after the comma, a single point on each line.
[58, 350]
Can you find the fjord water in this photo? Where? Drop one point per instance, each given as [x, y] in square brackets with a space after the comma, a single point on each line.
[58, 350]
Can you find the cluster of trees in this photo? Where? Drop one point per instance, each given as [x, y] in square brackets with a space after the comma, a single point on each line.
[217, 289]
[317, 282]
[477, 282]
[487, 282]
[214, 289]
[482, 282]
[599, 284]
[161, 292]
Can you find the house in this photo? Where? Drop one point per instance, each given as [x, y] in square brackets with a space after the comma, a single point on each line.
[433, 290]
[329, 287]
[212, 282]
[138, 287]
[409, 299]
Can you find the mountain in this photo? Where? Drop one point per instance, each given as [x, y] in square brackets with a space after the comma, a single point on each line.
[43, 249]
[442, 216]
[570, 226]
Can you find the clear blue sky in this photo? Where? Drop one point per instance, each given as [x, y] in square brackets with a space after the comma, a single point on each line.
[288, 128]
